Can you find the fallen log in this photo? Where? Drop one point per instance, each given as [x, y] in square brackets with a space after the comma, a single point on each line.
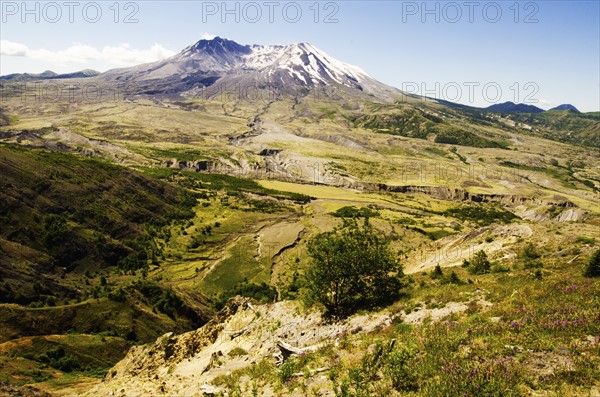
[287, 350]
[311, 372]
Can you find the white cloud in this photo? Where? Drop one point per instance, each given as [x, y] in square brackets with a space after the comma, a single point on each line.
[207, 36]
[122, 54]
[12, 49]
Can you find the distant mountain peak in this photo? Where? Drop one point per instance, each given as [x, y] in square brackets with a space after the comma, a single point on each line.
[48, 75]
[566, 106]
[219, 45]
[511, 107]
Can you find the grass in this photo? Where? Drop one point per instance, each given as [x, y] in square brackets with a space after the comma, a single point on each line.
[125, 319]
[582, 128]
[238, 266]
[60, 359]
[105, 207]
[437, 151]
[222, 182]
[566, 179]
[417, 123]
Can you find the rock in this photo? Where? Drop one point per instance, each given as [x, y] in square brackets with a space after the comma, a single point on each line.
[514, 348]
[571, 215]
[269, 152]
[209, 390]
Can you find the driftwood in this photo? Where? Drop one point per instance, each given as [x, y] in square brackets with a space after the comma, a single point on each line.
[209, 390]
[214, 357]
[235, 334]
[311, 372]
[287, 350]
[286, 347]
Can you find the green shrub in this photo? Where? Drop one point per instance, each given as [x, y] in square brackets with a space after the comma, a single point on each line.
[481, 214]
[400, 369]
[452, 279]
[59, 359]
[237, 351]
[454, 136]
[593, 267]
[262, 292]
[497, 268]
[352, 267]
[437, 272]
[586, 240]
[529, 255]
[530, 251]
[287, 370]
[354, 212]
[479, 264]
[54, 230]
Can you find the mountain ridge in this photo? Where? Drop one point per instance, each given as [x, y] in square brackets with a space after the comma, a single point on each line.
[49, 75]
[511, 107]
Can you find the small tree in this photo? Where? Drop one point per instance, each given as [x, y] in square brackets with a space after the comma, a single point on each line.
[479, 264]
[437, 272]
[530, 252]
[54, 230]
[530, 256]
[453, 278]
[593, 266]
[352, 267]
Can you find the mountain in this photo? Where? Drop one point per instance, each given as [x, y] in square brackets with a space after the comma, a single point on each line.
[75, 75]
[228, 63]
[511, 107]
[48, 74]
[566, 106]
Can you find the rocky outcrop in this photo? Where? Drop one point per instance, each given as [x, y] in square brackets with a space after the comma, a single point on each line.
[66, 141]
[238, 337]
[178, 365]
[548, 213]
[169, 349]
[453, 194]
[269, 152]
[198, 165]
[439, 192]
[571, 215]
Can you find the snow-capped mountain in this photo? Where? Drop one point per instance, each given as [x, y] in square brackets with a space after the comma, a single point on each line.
[220, 60]
[305, 63]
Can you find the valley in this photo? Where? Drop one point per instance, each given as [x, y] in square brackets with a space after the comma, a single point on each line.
[169, 226]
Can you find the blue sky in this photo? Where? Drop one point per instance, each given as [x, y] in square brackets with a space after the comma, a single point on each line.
[478, 52]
